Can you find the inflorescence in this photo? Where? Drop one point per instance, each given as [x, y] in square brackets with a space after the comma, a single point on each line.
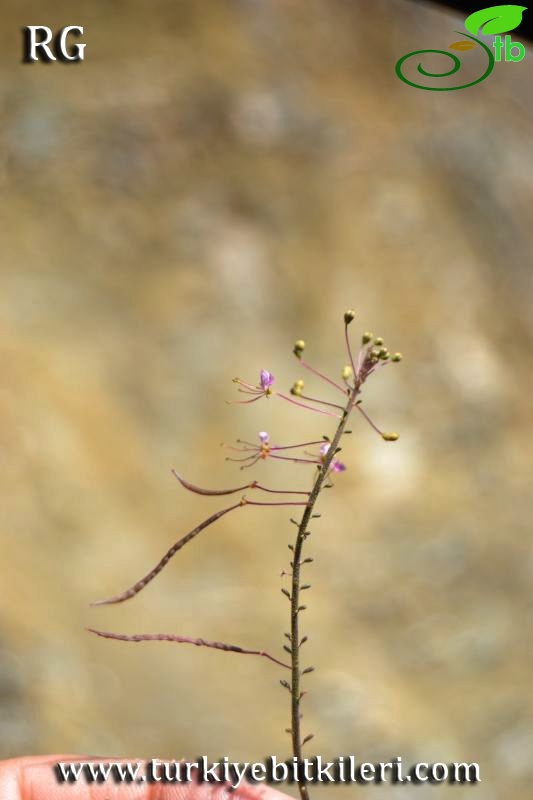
[320, 453]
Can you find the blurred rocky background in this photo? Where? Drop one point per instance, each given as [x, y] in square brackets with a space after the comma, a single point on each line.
[214, 181]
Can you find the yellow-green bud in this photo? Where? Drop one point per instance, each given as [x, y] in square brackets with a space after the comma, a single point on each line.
[397, 357]
[384, 354]
[299, 347]
[367, 337]
[297, 388]
[390, 437]
[349, 315]
[378, 341]
[346, 373]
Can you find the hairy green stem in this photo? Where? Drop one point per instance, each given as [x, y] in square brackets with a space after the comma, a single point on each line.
[296, 694]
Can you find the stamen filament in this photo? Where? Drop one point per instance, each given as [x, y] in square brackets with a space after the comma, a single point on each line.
[242, 402]
[247, 458]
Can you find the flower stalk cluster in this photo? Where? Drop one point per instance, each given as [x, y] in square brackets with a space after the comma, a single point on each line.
[321, 453]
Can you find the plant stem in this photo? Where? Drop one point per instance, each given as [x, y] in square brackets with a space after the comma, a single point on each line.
[296, 695]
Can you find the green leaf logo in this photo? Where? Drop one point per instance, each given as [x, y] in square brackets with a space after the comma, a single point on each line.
[496, 19]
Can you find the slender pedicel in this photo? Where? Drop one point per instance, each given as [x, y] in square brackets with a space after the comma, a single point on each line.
[370, 422]
[293, 446]
[322, 402]
[299, 347]
[386, 436]
[168, 637]
[281, 503]
[309, 408]
[348, 317]
[294, 460]
[275, 491]
[216, 492]
[323, 377]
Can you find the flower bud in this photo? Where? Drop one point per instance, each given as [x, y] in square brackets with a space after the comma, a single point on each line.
[346, 373]
[367, 337]
[396, 357]
[297, 388]
[383, 354]
[349, 315]
[390, 437]
[299, 347]
[378, 341]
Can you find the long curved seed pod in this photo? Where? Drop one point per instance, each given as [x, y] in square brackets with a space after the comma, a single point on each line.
[137, 587]
[198, 489]
[167, 637]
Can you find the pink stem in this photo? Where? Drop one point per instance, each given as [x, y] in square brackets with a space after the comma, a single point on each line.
[281, 503]
[322, 402]
[293, 446]
[275, 491]
[346, 336]
[295, 460]
[320, 375]
[365, 415]
[310, 408]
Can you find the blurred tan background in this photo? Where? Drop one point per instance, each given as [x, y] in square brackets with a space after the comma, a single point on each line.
[214, 181]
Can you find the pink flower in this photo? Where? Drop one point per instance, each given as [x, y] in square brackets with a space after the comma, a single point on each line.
[336, 465]
[266, 379]
[263, 388]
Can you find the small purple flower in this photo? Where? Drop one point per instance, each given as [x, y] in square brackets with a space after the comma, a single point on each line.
[336, 465]
[263, 389]
[264, 437]
[266, 379]
[324, 449]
